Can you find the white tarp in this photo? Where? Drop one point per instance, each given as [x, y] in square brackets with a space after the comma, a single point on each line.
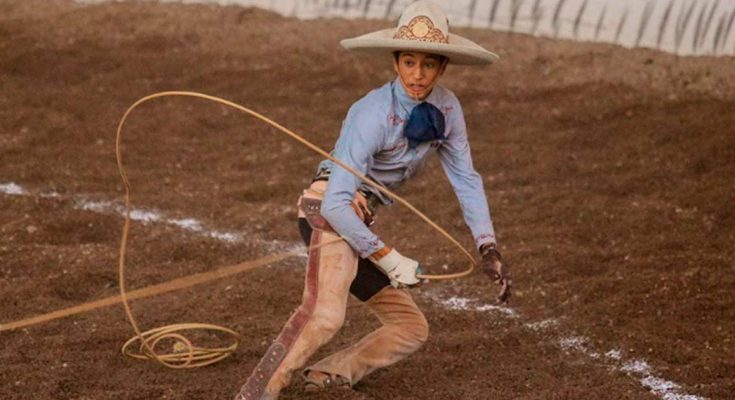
[686, 27]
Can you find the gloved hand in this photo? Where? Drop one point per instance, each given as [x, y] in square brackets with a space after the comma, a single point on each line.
[401, 270]
[492, 265]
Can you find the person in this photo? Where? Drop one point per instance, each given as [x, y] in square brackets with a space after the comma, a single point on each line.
[387, 135]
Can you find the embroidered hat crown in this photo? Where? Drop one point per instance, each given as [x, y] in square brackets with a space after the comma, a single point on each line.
[416, 23]
[422, 27]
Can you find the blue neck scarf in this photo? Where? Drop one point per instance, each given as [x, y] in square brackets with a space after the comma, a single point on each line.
[426, 123]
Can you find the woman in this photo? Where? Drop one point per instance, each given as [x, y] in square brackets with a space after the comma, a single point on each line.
[387, 135]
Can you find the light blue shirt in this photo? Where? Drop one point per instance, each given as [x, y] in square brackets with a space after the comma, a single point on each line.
[372, 142]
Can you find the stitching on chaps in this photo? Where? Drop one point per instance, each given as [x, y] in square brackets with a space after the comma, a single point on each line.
[254, 387]
[311, 209]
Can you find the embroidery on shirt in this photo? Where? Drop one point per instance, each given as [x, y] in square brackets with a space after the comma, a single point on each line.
[395, 120]
[484, 236]
[398, 146]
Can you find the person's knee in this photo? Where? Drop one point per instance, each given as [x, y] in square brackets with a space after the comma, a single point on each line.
[414, 331]
[420, 330]
[327, 323]
[401, 315]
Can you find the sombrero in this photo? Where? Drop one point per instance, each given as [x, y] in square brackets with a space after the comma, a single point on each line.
[423, 27]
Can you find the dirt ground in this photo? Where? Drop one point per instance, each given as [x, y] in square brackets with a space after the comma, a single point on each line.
[609, 172]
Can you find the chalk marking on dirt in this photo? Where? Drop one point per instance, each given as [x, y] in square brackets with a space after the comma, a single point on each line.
[542, 325]
[640, 368]
[668, 390]
[146, 216]
[12, 189]
[465, 304]
[150, 216]
[637, 368]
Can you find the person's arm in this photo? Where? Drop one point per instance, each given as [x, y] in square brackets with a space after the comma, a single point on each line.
[361, 137]
[467, 183]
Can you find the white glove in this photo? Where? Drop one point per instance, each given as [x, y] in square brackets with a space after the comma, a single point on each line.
[401, 270]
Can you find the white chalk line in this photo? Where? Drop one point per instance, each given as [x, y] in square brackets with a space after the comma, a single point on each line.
[467, 304]
[635, 367]
[148, 216]
[12, 189]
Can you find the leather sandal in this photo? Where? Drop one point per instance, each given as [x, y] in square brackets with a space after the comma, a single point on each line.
[317, 381]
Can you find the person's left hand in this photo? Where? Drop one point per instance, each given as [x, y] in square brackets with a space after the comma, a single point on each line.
[492, 265]
[360, 205]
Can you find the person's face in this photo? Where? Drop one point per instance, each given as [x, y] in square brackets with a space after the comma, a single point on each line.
[419, 72]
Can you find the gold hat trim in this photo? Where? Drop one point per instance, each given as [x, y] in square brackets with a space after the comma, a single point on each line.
[421, 28]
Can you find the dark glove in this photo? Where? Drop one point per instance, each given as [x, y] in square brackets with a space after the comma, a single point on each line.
[492, 264]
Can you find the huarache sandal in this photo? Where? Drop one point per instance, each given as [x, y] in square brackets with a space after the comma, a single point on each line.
[316, 381]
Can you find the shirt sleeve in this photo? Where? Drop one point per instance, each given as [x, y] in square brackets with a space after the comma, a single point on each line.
[361, 137]
[467, 183]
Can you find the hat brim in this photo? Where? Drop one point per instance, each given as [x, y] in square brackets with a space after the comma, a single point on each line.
[459, 50]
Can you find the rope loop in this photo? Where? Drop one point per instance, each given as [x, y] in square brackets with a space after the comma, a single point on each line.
[183, 353]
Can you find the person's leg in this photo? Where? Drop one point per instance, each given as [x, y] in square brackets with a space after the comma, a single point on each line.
[337, 267]
[404, 330]
[330, 271]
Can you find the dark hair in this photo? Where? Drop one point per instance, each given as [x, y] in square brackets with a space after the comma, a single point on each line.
[440, 57]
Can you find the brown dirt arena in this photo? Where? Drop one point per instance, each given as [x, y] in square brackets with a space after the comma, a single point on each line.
[609, 173]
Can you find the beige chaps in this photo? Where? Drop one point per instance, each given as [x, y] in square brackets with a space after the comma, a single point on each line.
[330, 272]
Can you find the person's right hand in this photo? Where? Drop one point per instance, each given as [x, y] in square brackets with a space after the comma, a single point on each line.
[401, 270]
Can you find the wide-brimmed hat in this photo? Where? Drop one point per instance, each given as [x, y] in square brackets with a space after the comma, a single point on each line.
[423, 27]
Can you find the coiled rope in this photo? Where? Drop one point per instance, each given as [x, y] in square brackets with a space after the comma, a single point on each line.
[185, 354]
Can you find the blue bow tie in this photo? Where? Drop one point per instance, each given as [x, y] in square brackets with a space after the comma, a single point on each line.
[426, 123]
